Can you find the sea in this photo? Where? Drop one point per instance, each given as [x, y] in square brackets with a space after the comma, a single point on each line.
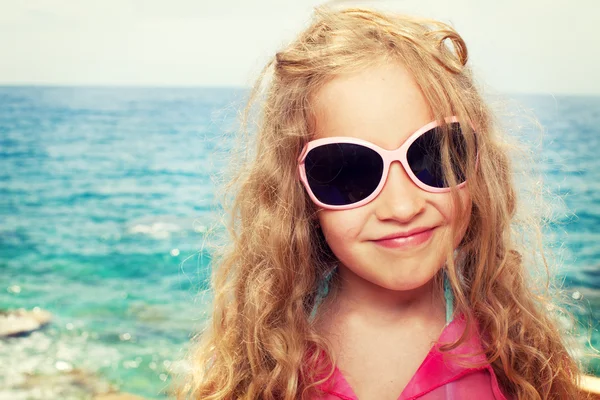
[109, 195]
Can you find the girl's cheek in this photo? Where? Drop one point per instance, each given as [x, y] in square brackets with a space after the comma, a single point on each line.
[340, 225]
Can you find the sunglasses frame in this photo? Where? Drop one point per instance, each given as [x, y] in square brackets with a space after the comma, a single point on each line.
[388, 156]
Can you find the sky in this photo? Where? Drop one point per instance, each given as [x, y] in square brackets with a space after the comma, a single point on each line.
[516, 46]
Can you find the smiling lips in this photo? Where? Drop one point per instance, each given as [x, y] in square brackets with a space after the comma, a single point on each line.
[406, 240]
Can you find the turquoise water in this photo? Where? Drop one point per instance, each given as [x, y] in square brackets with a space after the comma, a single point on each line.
[105, 199]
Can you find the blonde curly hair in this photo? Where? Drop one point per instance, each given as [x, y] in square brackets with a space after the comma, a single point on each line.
[260, 342]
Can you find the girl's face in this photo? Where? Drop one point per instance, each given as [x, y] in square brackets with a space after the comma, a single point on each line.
[384, 105]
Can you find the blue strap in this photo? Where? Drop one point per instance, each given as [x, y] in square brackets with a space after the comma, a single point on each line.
[322, 292]
[449, 298]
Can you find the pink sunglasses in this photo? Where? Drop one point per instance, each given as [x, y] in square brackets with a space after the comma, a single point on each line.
[340, 173]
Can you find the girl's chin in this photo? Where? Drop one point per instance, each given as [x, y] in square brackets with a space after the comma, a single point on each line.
[405, 286]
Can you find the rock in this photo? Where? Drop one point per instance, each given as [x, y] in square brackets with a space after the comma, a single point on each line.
[68, 385]
[73, 384]
[22, 322]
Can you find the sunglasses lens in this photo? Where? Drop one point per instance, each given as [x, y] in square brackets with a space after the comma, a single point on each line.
[425, 156]
[343, 173]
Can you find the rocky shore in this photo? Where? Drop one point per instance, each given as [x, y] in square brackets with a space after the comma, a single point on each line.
[69, 382]
[75, 384]
[21, 322]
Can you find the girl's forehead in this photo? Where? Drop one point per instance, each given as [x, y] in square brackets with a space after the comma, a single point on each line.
[382, 104]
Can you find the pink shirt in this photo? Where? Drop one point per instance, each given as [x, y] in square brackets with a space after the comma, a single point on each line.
[439, 377]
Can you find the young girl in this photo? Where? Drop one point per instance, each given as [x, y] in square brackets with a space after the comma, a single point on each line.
[374, 252]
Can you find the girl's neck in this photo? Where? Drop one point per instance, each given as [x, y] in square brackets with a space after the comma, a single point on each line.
[373, 304]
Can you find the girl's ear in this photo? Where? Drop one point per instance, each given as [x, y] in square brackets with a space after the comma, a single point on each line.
[315, 221]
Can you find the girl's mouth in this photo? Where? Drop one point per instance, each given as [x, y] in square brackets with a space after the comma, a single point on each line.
[406, 241]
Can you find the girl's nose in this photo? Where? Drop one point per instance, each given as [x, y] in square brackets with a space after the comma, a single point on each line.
[400, 199]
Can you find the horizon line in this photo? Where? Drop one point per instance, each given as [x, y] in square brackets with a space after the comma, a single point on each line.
[7, 85]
